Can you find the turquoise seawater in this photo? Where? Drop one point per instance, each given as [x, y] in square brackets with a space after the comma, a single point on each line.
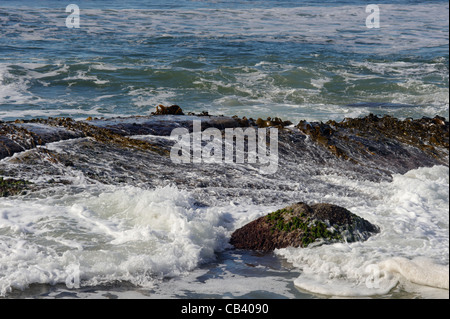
[292, 59]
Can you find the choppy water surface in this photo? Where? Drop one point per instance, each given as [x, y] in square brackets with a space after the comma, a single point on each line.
[297, 60]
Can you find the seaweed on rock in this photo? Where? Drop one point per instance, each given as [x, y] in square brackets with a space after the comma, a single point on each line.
[300, 225]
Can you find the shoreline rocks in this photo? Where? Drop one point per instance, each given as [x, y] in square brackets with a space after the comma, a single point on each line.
[168, 110]
[300, 225]
[369, 148]
[373, 137]
[368, 139]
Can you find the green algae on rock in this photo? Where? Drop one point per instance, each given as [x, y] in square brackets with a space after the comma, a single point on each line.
[11, 187]
[300, 225]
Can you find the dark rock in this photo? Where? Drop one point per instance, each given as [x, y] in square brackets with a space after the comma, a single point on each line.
[24, 135]
[426, 134]
[168, 110]
[384, 142]
[27, 134]
[371, 147]
[275, 122]
[299, 225]
[322, 134]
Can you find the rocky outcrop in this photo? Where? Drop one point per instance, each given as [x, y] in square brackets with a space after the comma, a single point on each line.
[374, 138]
[300, 225]
[370, 140]
[22, 135]
[136, 150]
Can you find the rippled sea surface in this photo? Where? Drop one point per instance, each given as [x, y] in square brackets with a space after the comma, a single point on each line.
[292, 59]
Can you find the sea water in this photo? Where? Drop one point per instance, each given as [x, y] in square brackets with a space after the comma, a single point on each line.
[292, 59]
[296, 60]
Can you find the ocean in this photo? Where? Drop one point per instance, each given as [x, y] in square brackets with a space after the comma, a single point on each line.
[133, 233]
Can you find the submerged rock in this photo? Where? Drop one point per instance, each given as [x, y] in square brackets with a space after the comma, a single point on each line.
[300, 225]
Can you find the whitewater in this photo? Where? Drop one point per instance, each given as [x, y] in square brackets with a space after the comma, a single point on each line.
[163, 240]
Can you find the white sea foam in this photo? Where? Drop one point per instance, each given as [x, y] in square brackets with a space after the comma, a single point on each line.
[17, 89]
[104, 67]
[122, 234]
[62, 69]
[412, 247]
[293, 24]
[110, 233]
[399, 29]
[151, 97]
[12, 90]
[82, 76]
[420, 271]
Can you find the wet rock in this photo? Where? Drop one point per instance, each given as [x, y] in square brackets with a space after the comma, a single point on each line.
[425, 133]
[19, 136]
[27, 134]
[300, 225]
[11, 187]
[384, 145]
[168, 110]
[136, 150]
[322, 134]
[202, 113]
[384, 142]
[272, 122]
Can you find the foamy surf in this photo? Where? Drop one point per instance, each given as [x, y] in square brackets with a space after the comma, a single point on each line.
[109, 234]
[127, 234]
[412, 247]
[421, 271]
